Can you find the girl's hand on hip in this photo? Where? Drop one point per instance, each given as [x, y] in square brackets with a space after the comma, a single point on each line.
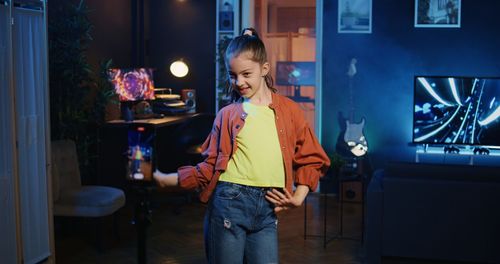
[283, 200]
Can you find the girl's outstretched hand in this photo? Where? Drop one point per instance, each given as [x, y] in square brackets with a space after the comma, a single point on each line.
[166, 179]
[285, 200]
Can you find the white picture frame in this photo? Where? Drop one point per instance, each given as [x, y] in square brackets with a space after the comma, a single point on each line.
[354, 16]
[437, 13]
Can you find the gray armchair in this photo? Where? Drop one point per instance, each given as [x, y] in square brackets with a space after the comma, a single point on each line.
[70, 197]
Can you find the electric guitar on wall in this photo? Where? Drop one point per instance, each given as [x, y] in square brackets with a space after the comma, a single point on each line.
[353, 134]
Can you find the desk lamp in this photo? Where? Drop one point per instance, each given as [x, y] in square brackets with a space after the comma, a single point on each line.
[179, 68]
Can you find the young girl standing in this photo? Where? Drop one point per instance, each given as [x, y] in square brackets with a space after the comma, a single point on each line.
[259, 148]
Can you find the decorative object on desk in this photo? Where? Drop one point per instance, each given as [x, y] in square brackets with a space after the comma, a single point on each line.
[296, 74]
[165, 94]
[437, 13]
[168, 103]
[143, 110]
[452, 110]
[354, 16]
[353, 137]
[179, 68]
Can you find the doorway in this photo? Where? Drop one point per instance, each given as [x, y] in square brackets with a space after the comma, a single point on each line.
[291, 31]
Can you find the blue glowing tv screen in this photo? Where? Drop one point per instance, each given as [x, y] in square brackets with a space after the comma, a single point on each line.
[456, 110]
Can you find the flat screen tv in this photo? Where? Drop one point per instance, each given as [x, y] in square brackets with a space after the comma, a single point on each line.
[296, 73]
[134, 84]
[456, 110]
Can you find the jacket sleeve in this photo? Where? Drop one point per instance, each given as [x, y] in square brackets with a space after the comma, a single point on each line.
[198, 177]
[310, 162]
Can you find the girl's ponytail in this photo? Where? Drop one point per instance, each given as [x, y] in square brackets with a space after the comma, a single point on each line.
[248, 41]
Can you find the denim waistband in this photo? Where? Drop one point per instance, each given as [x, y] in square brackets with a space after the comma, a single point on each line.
[248, 188]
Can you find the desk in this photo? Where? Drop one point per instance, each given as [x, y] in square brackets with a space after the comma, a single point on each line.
[157, 122]
[114, 146]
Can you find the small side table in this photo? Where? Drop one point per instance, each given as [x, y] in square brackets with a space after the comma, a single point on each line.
[325, 198]
[351, 173]
[354, 171]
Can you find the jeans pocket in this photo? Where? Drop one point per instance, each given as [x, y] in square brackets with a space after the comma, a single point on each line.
[227, 191]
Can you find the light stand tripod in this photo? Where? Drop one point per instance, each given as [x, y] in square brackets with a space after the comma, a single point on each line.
[142, 218]
[139, 176]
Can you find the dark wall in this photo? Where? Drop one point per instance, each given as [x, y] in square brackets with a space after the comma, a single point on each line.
[389, 58]
[184, 29]
[111, 32]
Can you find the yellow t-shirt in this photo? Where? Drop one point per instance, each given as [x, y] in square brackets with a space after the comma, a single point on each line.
[258, 160]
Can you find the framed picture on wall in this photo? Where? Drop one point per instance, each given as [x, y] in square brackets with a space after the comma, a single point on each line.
[355, 16]
[437, 13]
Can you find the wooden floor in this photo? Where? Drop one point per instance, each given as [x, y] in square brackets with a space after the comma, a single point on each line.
[176, 235]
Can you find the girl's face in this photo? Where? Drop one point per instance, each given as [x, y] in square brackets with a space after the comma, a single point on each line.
[246, 75]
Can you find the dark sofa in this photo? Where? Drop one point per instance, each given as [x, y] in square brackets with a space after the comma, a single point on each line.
[431, 211]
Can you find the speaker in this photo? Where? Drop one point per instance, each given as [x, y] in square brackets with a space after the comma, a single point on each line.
[351, 191]
[188, 96]
[226, 20]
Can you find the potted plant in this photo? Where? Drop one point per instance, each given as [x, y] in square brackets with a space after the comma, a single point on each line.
[78, 97]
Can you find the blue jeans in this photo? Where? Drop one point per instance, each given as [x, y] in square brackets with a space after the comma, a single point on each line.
[240, 226]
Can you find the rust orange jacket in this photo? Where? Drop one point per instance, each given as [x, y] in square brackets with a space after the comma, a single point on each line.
[304, 158]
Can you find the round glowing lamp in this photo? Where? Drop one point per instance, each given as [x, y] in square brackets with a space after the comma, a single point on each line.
[179, 68]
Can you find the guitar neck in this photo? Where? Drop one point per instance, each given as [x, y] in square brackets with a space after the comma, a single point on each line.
[351, 100]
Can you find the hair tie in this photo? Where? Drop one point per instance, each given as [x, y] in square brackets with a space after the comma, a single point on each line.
[247, 32]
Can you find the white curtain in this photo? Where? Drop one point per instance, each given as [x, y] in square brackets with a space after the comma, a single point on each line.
[29, 47]
[8, 253]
